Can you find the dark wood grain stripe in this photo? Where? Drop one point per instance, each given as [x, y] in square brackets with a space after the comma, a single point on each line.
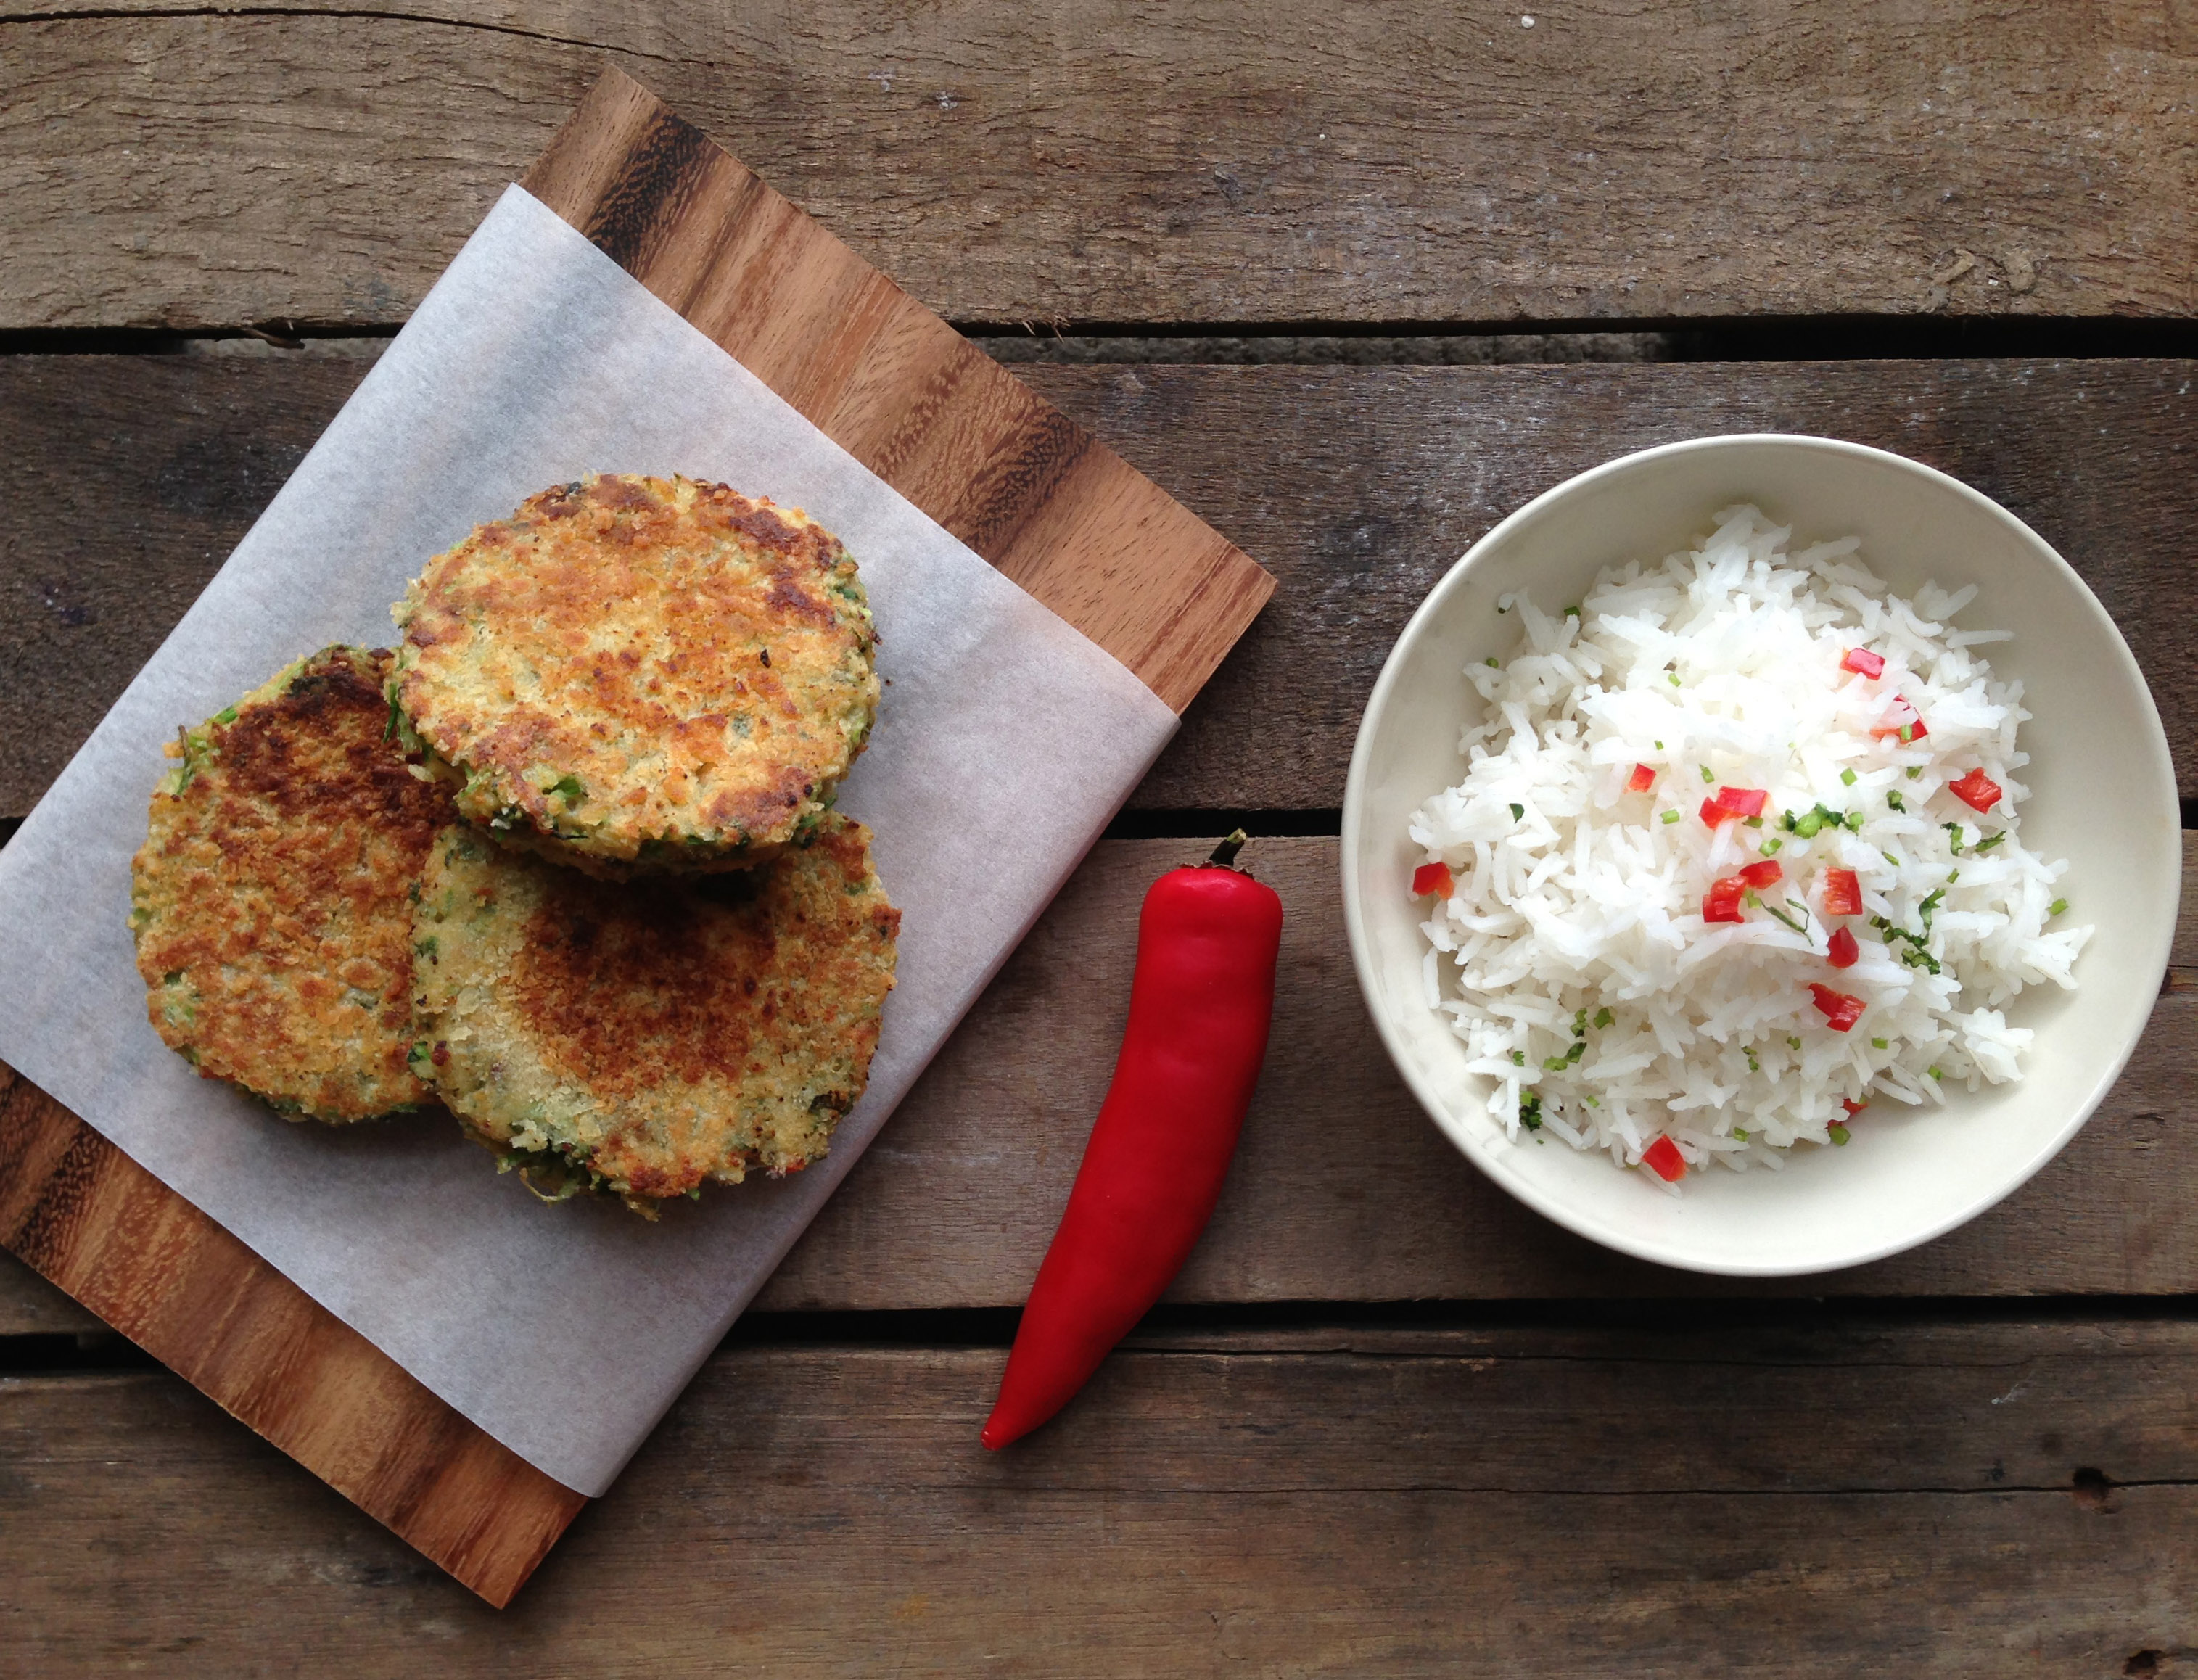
[643, 202]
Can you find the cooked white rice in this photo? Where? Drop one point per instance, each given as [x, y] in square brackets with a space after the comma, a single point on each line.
[1572, 955]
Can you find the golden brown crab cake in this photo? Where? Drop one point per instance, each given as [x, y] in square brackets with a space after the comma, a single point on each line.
[272, 900]
[637, 1038]
[639, 675]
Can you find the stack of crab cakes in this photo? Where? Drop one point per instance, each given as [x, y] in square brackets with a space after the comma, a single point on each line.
[613, 922]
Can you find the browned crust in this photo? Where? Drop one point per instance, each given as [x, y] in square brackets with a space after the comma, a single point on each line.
[697, 663]
[680, 1031]
[273, 893]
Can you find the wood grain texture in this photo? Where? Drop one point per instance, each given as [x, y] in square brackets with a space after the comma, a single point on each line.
[1817, 1499]
[1362, 486]
[1358, 486]
[1052, 508]
[1344, 1191]
[988, 1140]
[1223, 160]
[99, 1226]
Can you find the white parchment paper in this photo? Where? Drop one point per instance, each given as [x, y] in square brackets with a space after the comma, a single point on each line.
[1005, 741]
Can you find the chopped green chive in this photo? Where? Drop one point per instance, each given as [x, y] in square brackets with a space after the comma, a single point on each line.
[1770, 847]
[1953, 837]
[1754, 1066]
[227, 715]
[1518, 812]
[1893, 798]
[1659, 746]
[1530, 1111]
[2056, 907]
[1491, 663]
[1740, 1133]
[1837, 1134]
[1518, 1058]
[1991, 840]
[1794, 1043]
[1572, 612]
[1879, 1045]
[1799, 927]
[1890, 858]
[1915, 772]
[1848, 776]
[1580, 1025]
[1935, 1072]
[1916, 956]
[1671, 816]
[1672, 678]
[1603, 1018]
[1707, 776]
[1854, 821]
[1753, 821]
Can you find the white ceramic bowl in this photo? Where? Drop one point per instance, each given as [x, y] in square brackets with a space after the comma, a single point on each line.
[2102, 795]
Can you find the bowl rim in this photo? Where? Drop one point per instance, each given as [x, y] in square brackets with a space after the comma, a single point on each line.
[1554, 1208]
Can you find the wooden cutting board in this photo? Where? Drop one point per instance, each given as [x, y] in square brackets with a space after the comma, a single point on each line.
[1037, 495]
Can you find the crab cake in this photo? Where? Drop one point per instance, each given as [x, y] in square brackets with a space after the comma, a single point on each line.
[638, 1037]
[272, 900]
[638, 675]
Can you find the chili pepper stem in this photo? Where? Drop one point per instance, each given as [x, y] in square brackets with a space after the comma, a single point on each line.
[1224, 855]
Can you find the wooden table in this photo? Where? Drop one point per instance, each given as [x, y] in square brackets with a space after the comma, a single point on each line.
[1390, 1422]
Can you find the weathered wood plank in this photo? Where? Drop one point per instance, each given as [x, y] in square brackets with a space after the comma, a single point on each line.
[153, 1266]
[990, 1138]
[1358, 486]
[1226, 160]
[1813, 1500]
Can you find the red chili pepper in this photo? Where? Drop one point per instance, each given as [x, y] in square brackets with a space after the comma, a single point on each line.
[1642, 779]
[1434, 878]
[1845, 949]
[1841, 1011]
[1663, 1159]
[1722, 902]
[1200, 1004]
[1976, 790]
[1741, 801]
[1853, 1107]
[1842, 893]
[1863, 662]
[1764, 874]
